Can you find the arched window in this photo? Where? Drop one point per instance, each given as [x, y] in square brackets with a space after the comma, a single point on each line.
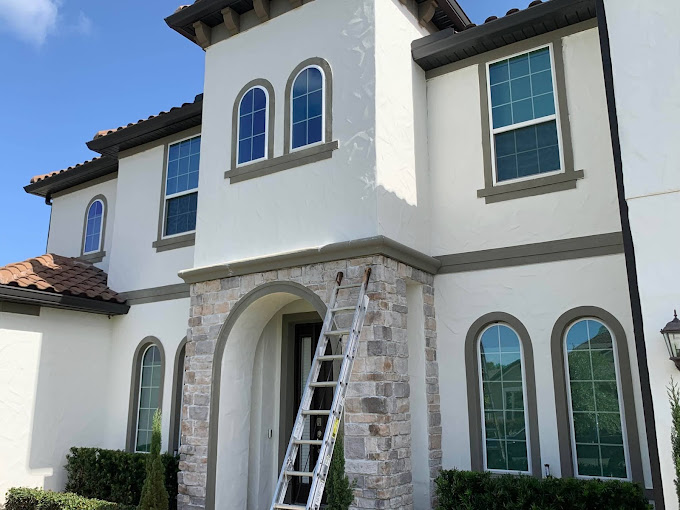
[594, 397]
[93, 227]
[146, 393]
[308, 111]
[501, 395]
[253, 118]
[175, 435]
[149, 396]
[504, 430]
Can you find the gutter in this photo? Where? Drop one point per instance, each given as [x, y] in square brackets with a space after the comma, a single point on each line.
[52, 300]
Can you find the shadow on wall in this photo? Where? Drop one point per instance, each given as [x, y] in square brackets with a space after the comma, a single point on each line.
[69, 405]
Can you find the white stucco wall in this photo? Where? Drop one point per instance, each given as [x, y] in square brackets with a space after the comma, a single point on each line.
[537, 295]
[165, 320]
[645, 72]
[53, 379]
[401, 128]
[307, 206]
[135, 264]
[67, 221]
[461, 222]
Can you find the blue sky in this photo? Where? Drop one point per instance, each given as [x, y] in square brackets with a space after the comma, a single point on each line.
[73, 67]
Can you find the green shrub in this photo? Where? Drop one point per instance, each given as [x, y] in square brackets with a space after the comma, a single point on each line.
[674, 398]
[154, 493]
[36, 499]
[465, 490]
[115, 475]
[339, 491]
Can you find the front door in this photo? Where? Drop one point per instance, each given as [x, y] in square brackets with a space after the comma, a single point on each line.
[306, 341]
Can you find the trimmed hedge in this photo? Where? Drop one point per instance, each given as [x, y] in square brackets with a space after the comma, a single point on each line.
[115, 475]
[37, 499]
[465, 490]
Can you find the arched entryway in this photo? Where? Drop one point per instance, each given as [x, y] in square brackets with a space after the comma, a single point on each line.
[251, 392]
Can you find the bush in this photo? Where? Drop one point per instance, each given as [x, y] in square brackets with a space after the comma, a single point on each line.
[154, 493]
[674, 397]
[115, 475]
[339, 490]
[36, 499]
[465, 490]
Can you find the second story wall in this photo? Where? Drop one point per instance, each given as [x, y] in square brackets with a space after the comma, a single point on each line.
[138, 260]
[68, 221]
[459, 144]
[300, 207]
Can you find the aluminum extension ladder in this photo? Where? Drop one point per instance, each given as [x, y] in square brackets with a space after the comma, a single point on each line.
[320, 472]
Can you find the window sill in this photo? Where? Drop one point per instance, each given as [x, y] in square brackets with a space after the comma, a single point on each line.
[290, 160]
[531, 187]
[174, 243]
[93, 258]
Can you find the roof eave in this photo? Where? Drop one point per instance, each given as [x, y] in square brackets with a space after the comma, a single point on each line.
[70, 178]
[174, 121]
[455, 12]
[61, 301]
[440, 49]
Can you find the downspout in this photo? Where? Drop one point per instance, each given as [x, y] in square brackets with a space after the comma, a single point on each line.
[631, 268]
[48, 201]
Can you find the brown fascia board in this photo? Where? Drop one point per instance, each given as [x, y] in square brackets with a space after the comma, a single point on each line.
[455, 13]
[83, 173]
[164, 124]
[448, 46]
[64, 302]
[207, 11]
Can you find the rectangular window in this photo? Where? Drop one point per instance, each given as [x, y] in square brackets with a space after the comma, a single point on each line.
[181, 187]
[524, 120]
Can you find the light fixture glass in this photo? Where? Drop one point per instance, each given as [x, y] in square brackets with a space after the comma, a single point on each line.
[671, 334]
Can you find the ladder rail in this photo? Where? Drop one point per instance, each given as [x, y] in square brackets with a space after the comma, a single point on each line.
[320, 472]
[337, 408]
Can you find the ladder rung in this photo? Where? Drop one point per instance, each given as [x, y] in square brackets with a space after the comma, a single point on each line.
[344, 309]
[304, 474]
[350, 286]
[324, 384]
[338, 332]
[310, 442]
[316, 412]
[289, 507]
[331, 357]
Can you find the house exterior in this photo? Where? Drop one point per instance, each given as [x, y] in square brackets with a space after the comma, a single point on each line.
[477, 171]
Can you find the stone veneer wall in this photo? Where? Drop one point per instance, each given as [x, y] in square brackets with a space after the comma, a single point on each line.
[377, 413]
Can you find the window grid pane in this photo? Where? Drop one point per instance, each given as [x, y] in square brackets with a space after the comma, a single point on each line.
[307, 108]
[93, 227]
[149, 397]
[596, 416]
[182, 176]
[503, 400]
[252, 126]
[521, 90]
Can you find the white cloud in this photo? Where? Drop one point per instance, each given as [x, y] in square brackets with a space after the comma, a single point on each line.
[30, 20]
[84, 24]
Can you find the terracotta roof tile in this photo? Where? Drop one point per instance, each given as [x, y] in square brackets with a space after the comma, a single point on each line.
[39, 178]
[61, 275]
[512, 11]
[105, 132]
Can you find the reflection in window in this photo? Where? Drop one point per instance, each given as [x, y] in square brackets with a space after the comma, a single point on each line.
[252, 137]
[93, 228]
[523, 116]
[598, 436]
[149, 397]
[181, 187]
[308, 112]
[503, 402]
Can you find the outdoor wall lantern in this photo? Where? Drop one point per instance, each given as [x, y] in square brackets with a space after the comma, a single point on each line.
[671, 333]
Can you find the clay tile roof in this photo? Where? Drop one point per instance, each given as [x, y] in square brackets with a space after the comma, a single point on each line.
[39, 178]
[105, 132]
[60, 275]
